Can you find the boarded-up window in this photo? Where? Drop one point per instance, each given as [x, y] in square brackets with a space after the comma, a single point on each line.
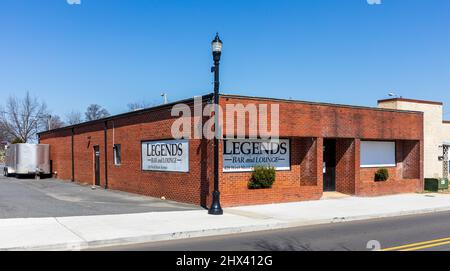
[377, 154]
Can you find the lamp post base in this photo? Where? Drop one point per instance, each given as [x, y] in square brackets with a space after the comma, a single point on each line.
[215, 209]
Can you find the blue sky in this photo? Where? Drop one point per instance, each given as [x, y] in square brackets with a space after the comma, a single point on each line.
[113, 52]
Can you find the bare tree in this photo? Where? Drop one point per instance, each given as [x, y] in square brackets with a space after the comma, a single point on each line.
[2, 151]
[73, 118]
[4, 136]
[54, 122]
[4, 139]
[95, 112]
[23, 118]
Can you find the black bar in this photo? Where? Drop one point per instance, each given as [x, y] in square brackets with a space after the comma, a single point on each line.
[106, 155]
[73, 156]
[216, 209]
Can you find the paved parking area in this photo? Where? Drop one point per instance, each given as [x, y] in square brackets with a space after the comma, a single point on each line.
[26, 198]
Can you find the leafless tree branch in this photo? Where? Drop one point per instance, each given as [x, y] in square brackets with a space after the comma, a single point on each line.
[73, 118]
[23, 118]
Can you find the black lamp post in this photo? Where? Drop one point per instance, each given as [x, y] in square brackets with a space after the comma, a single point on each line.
[216, 45]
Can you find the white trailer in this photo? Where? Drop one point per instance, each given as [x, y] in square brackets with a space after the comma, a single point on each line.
[27, 159]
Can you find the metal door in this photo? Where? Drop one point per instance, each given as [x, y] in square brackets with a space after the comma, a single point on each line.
[329, 165]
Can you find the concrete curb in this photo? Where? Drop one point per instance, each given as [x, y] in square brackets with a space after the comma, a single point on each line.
[365, 217]
[272, 225]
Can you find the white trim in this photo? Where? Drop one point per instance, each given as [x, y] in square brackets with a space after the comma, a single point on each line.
[251, 169]
[376, 166]
[375, 154]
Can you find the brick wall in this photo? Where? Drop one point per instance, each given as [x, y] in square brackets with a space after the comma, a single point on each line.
[192, 187]
[308, 149]
[305, 124]
[304, 119]
[404, 178]
[85, 138]
[60, 152]
[289, 185]
[346, 166]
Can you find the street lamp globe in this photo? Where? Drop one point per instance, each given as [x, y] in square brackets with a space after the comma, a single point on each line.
[216, 46]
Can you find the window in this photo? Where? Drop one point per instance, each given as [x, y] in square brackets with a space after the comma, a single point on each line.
[117, 154]
[377, 154]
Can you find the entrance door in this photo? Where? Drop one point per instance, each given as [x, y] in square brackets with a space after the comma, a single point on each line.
[97, 164]
[329, 165]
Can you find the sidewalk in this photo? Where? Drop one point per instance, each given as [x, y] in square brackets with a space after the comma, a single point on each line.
[74, 233]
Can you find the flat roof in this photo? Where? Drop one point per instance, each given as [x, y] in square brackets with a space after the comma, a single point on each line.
[319, 103]
[131, 113]
[210, 95]
[410, 101]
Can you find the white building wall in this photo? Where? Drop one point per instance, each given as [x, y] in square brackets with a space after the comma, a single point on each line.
[435, 131]
[447, 130]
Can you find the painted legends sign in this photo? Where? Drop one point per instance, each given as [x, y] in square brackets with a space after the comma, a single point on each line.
[242, 155]
[165, 155]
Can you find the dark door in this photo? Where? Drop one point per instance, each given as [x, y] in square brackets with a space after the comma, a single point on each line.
[97, 164]
[329, 166]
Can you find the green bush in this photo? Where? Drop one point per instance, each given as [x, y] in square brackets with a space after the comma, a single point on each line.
[262, 177]
[381, 175]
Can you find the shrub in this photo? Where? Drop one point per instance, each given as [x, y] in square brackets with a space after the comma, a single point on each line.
[262, 177]
[381, 175]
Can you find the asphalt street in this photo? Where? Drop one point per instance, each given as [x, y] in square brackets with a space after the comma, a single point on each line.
[27, 198]
[418, 232]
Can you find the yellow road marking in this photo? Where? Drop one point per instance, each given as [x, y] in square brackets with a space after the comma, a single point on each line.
[416, 244]
[427, 246]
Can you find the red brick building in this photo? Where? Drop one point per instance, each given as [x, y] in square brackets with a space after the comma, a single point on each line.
[327, 147]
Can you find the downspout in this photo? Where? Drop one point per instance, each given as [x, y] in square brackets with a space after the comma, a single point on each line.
[73, 156]
[106, 154]
[114, 135]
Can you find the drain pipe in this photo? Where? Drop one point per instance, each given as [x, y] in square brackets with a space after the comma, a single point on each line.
[106, 154]
[73, 156]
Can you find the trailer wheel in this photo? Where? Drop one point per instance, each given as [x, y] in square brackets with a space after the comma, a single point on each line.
[6, 173]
